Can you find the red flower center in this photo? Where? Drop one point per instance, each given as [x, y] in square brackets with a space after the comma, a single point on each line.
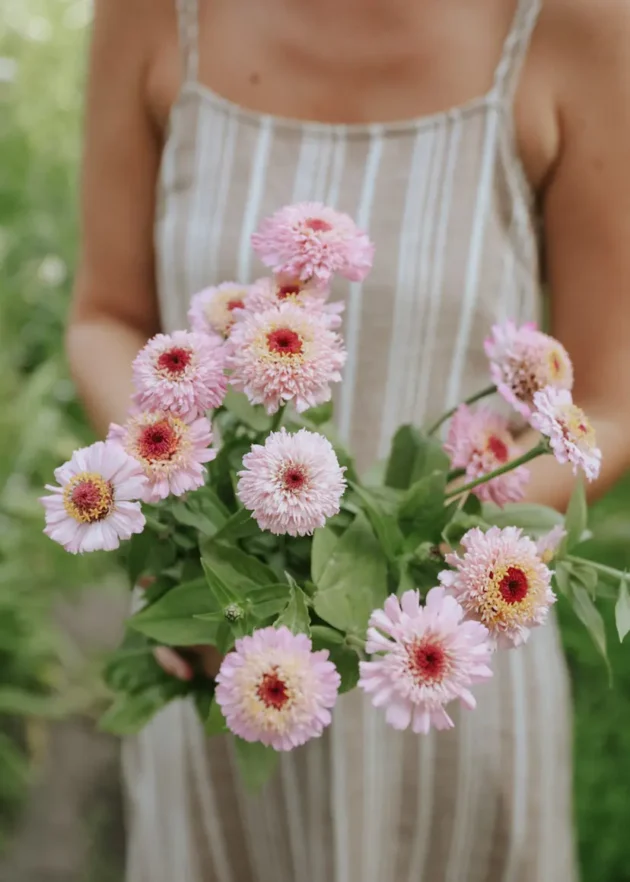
[285, 341]
[235, 304]
[285, 291]
[427, 661]
[175, 360]
[89, 498]
[272, 690]
[317, 225]
[294, 478]
[158, 441]
[513, 586]
[498, 448]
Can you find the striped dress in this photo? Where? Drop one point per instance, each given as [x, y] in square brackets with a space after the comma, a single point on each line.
[446, 201]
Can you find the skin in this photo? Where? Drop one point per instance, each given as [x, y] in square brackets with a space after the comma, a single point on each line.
[358, 61]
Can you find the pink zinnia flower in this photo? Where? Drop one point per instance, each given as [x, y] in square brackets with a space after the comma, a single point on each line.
[426, 658]
[275, 690]
[309, 241]
[171, 451]
[523, 361]
[269, 292]
[501, 582]
[480, 442]
[95, 506]
[284, 354]
[292, 483]
[548, 545]
[213, 310]
[570, 433]
[180, 372]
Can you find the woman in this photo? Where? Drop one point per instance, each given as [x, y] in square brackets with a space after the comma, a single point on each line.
[189, 143]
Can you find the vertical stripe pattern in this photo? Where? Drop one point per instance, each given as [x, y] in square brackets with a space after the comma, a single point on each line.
[446, 202]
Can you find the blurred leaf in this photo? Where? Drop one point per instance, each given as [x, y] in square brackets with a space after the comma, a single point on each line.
[622, 610]
[215, 721]
[269, 600]
[576, 518]
[238, 570]
[253, 416]
[255, 762]
[202, 510]
[422, 514]
[534, 520]
[324, 541]
[383, 522]
[589, 615]
[238, 526]
[402, 458]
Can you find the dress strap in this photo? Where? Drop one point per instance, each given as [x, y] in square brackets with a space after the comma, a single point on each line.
[515, 48]
[188, 21]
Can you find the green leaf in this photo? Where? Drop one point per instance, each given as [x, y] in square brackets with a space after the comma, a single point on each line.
[20, 702]
[215, 721]
[223, 594]
[239, 571]
[139, 553]
[534, 520]
[253, 416]
[240, 525]
[422, 514]
[225, 638]
[319, 415]
[622, 610]
[562, 578]
[406, 581]
[171, 619]
[459, 525]
[383, 523]
[202, 510]
[430, 458]
[295, 615]
[130, 713]
[324, 637]
[587, 576]
[589, 615]
[269, 600]
[256, 763]
[324, 541]
[354, 582]
[402, 458]
[576, 517]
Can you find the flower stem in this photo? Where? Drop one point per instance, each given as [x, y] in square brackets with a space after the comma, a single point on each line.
[454, 474]
[489, 390]
[277, 419]
[617, 575]
[356, 643]
[539, 450]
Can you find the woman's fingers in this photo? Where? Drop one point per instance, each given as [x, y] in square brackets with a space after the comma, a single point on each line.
[172, 663]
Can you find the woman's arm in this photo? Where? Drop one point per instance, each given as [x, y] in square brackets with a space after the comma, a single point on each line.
[114, 308]
[587, 233]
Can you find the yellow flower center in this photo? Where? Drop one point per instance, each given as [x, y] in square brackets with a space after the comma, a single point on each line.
[88, 498]
[576, 426]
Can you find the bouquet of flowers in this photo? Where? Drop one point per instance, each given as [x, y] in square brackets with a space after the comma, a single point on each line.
[253, 533]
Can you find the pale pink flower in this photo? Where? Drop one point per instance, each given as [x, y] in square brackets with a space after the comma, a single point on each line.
[501, 582]
[571, 435]
[284, 354]
[424, 658]
[292, 483]
[170, 449]
[310, 241]
[480, 442]
[523, 361]
[181, 372]
[95, 506]
[268, 292]
[213, 310]
[547, 546]
[275, 690]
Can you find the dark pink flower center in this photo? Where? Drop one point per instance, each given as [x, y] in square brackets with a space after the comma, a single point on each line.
[427, 661]
[272, 690]
[158, 441]
[89, 498]
[285, 291]
[285, 341]
[175, 361]
[294, 478]
[498, 448]
[317, 225]
[235, 304]
[513, 586]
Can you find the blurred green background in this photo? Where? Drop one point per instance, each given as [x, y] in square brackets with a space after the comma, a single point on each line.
[44, 674]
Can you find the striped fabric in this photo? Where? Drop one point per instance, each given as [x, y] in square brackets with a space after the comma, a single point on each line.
[446, 202]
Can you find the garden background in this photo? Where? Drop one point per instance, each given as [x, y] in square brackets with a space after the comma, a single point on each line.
[53, 606]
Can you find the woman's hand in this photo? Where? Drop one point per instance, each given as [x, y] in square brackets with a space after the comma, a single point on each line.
[175, 664]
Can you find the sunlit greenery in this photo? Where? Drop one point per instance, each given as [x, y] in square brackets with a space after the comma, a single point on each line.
[42, 47]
